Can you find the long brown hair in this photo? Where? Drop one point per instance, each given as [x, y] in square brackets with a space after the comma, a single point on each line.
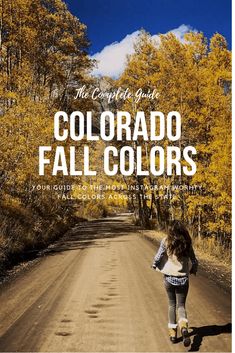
[178, 240]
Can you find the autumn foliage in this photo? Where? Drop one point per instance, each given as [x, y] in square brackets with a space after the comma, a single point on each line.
[43, 54]
[194, 78]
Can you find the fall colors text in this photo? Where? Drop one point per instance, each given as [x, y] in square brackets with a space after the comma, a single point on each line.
[129, 159]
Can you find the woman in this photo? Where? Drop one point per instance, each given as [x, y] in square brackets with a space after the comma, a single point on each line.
[172, 259]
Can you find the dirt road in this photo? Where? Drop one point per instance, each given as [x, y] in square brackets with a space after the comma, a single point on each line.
[95, 292]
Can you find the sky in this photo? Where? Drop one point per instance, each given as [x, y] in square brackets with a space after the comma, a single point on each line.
[113, 26]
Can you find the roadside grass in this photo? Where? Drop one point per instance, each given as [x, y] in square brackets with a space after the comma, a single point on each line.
[24, 232]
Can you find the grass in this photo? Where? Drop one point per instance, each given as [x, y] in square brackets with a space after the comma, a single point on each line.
[23, 231]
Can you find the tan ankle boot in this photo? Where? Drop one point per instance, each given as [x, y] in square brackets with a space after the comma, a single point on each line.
[173, 334]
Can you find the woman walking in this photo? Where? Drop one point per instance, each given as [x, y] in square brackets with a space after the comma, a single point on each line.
[172, 259]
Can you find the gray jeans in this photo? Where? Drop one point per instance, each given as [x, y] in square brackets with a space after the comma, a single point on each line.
[177, 297]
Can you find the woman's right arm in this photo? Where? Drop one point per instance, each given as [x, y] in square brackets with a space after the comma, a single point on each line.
[159, 254]
[194, 261]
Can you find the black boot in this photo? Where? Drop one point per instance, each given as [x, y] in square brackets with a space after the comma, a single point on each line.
[186, 338]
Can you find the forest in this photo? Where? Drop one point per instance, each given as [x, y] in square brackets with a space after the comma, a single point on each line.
[43, 59]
